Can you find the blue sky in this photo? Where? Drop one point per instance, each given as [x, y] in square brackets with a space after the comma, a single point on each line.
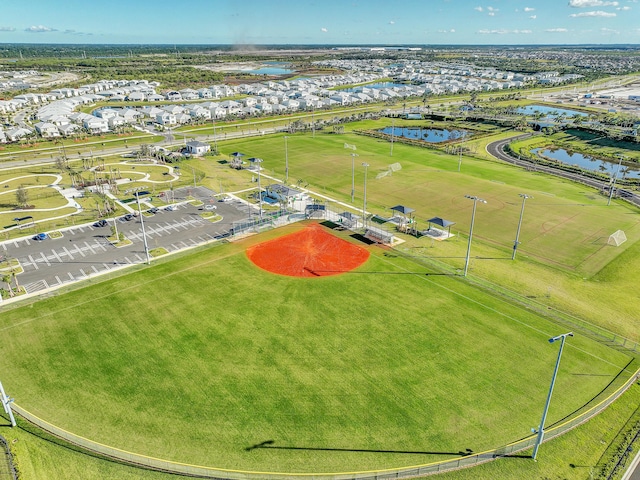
[322, 21]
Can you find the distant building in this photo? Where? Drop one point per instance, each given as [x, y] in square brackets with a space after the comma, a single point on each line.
[197, 148]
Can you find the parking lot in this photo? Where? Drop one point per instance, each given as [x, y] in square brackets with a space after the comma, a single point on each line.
[84, 251]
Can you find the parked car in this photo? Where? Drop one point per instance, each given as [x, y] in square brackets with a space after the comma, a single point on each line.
[101, 223]
[170, 208]
[210, 207]
[153, 210]
[40, 236]
[128, 217]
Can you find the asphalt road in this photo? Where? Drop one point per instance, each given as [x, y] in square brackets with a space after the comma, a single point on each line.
[496, 149]
[84, 250]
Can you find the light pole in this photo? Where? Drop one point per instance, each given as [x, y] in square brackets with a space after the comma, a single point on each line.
[473, 216]
[215, 137]
[393, 129]
[353, 176]
[517, 242]
[613, 182]
[562, 338]
[257, 162]
[286, 161]
[364, 202]
[6, 404]
[144, 235]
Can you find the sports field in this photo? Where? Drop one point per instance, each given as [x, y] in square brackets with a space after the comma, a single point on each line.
[203, 357]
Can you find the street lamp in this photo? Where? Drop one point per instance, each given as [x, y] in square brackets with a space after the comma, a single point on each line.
[516, 242]
[473, 216]
[257, 162]
[364, 203]
[144, 235]
[562, 338]
[286, 161]
[393, 129]
[353, 176]
[6, 404]
[615, 177]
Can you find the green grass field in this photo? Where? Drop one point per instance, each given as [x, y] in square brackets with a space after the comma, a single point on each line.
[205, 355]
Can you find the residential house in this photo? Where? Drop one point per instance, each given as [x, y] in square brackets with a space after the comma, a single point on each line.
[16, 133]
[47, 130]
[95, 124]
[68, 129]
[166, 118]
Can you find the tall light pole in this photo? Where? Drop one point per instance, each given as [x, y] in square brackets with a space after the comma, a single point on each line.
[393, 129]
[613, 182]
[562, 338]
[473, 216]
[144, 235]
[364, 202]
[353, 176]
[517, 242]
[257, 162]
[215, 138]
[6, 404]
[286, 160]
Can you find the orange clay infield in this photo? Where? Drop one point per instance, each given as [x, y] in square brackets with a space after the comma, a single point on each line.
[311, 252]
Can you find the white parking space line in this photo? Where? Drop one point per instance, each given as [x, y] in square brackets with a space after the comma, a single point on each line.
[58, 279]
[78, 250]
[33, 262]
[94, 268]
[100, 245]
[56, 255]
[70, 276]
[140, 259]
[127, 259]
[90, 248]
[44, 258]
[68, 253]
[4, 245]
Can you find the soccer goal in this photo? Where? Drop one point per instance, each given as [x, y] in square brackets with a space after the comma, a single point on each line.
[616, 239]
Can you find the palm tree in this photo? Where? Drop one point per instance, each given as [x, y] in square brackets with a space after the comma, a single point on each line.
[6, 278]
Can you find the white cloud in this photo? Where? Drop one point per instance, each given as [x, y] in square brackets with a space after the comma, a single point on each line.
[324, 30]
[391, 22]
[529, 9]
[533, 17]
[556, 30]
[492, 14]
[624, 9]
[503, 32]
[492, 9]
[7, 29]
[592, 3]
[39, 29]
[597, 13]
[609, 30]
[479, 9]
[453, 30]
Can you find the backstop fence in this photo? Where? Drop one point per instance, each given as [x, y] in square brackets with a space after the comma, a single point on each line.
[139, 460]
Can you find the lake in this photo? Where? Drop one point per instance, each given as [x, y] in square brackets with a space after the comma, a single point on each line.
[430, 135]
[546, 110]
[586, 162]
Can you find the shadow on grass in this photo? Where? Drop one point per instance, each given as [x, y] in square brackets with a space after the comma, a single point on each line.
[270, 444]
